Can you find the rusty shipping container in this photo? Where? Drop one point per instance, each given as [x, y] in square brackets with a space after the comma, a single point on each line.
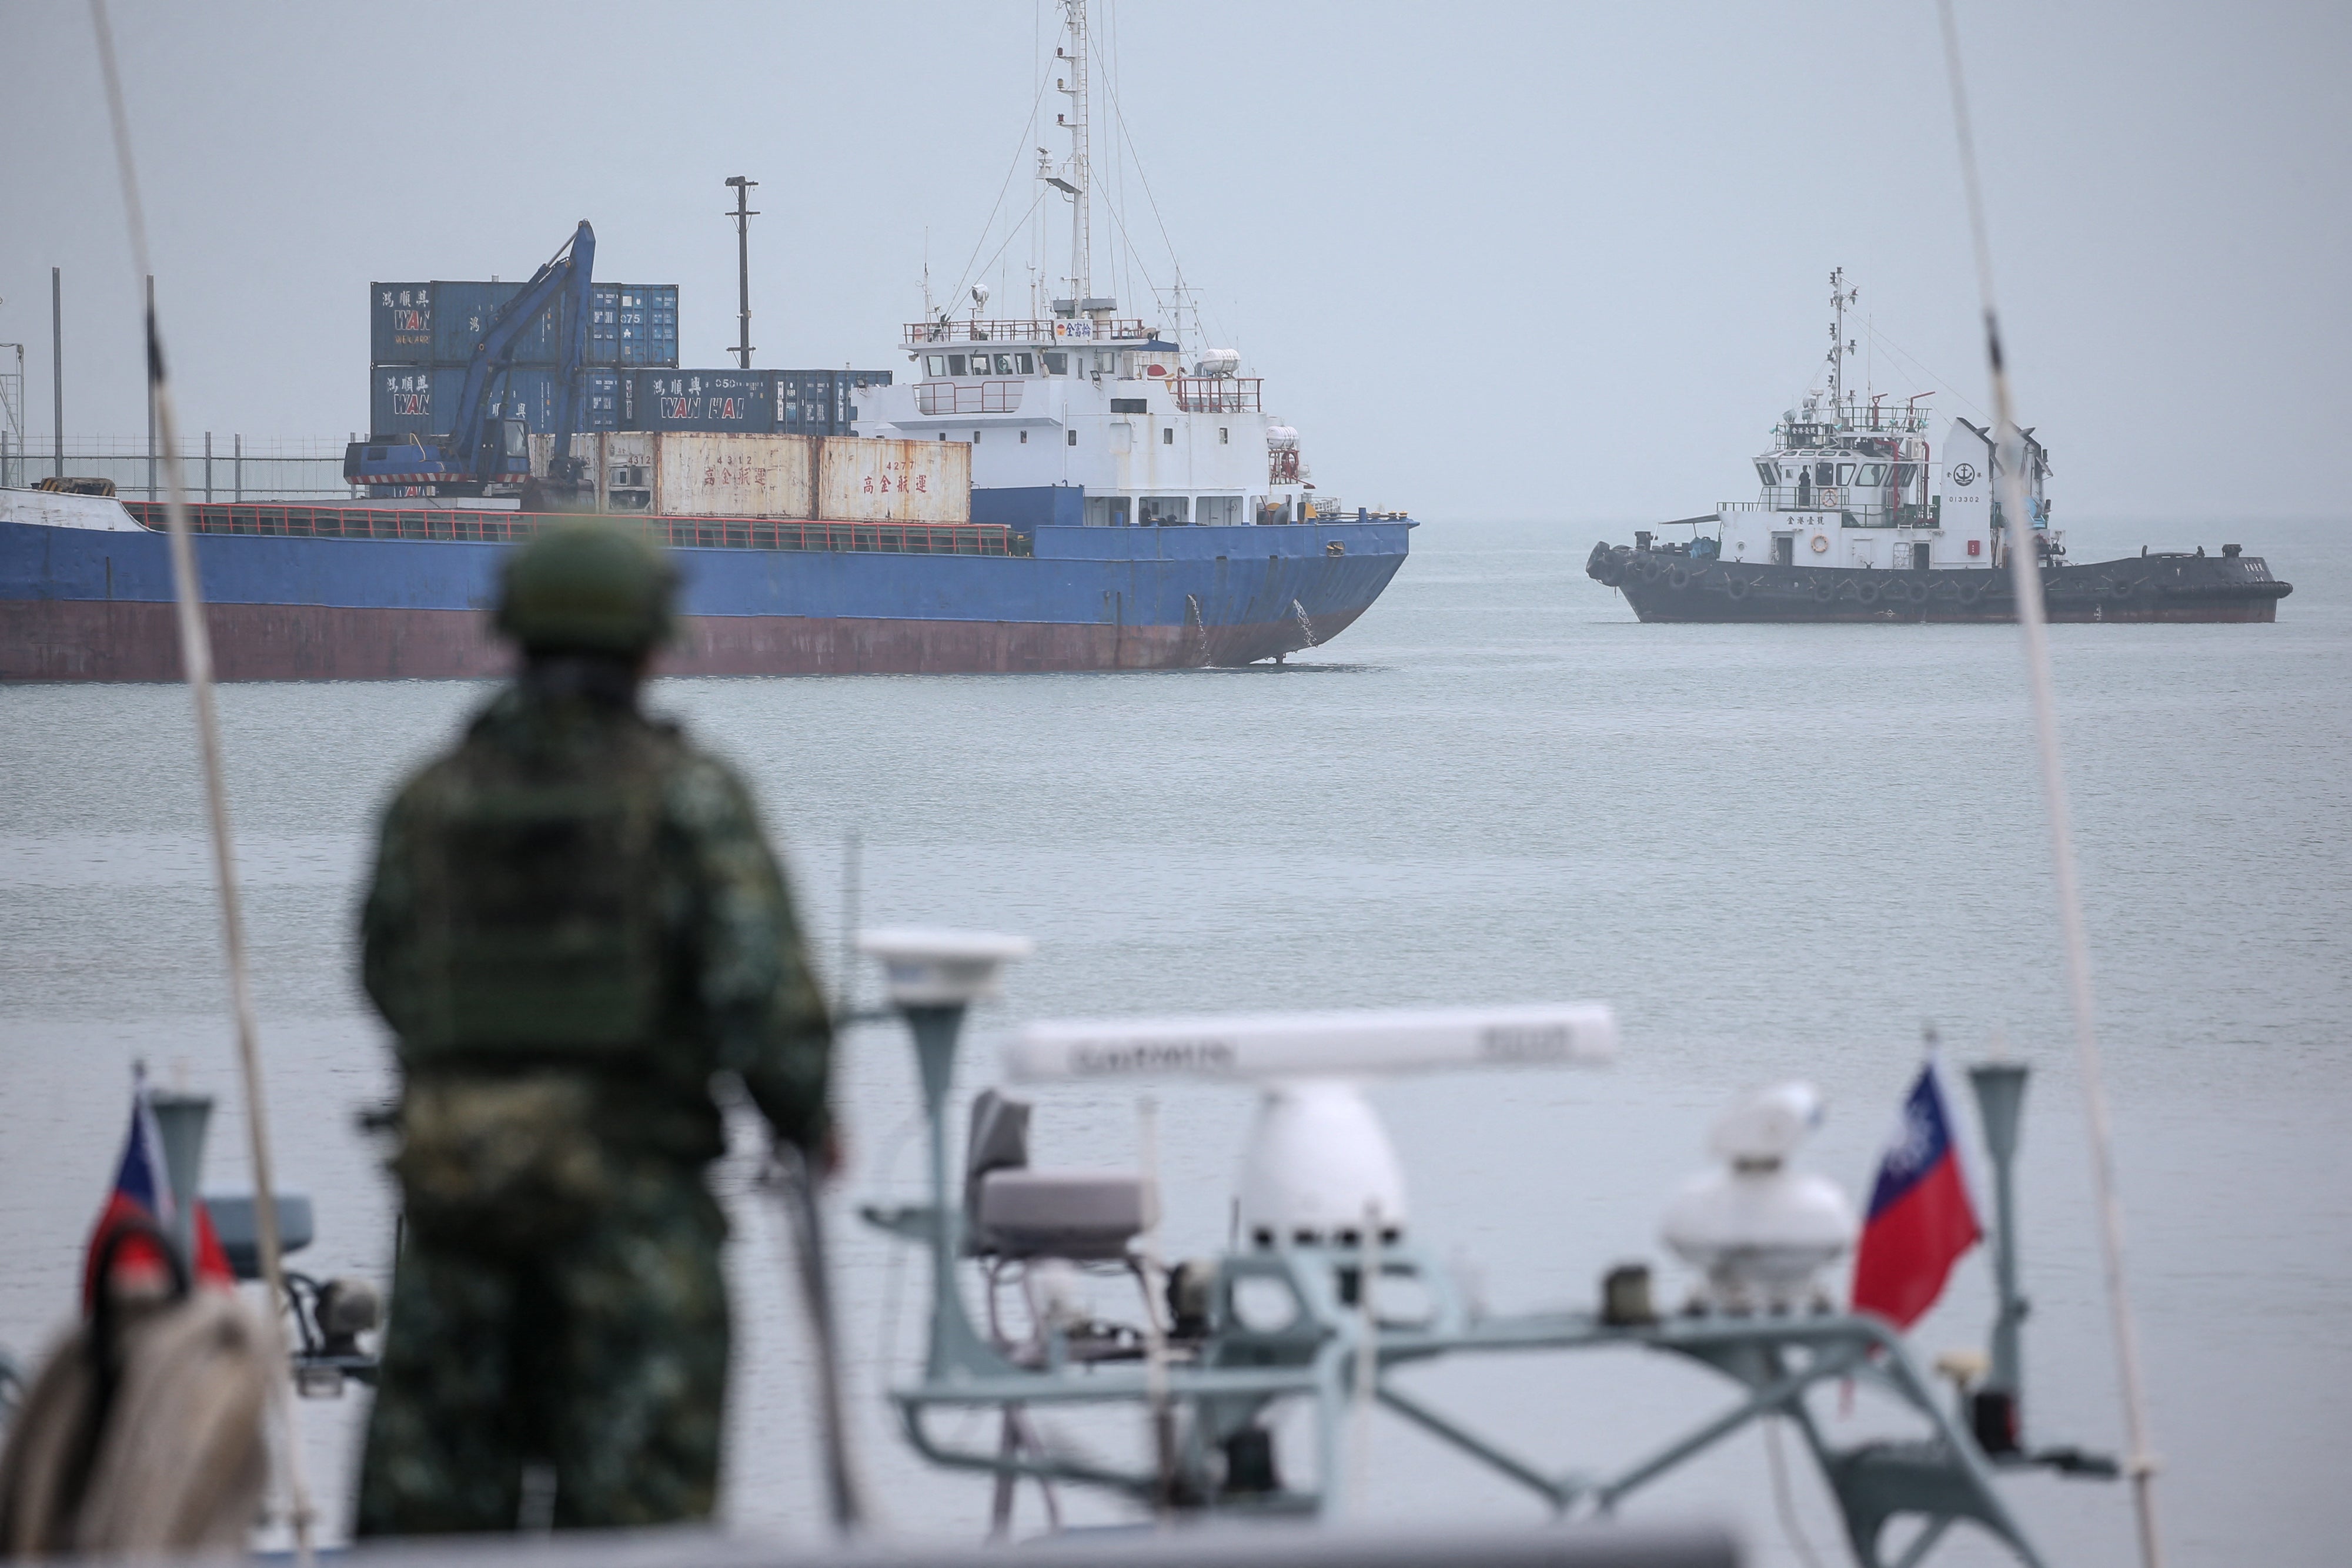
[699, 473]
[864, 480]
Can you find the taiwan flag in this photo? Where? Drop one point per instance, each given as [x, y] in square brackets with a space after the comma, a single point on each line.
[1921, 1219]
[142, 1193]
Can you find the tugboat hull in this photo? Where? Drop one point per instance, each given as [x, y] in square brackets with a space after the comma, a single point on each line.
[1668, 585]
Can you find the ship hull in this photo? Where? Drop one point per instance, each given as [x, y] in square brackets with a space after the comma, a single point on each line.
[84, 604]
[1668, 586]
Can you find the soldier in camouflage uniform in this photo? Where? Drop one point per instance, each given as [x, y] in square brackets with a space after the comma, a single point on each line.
[575, 924]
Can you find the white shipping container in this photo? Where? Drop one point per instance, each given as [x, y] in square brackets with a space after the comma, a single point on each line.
[713, 474]
[863, 480]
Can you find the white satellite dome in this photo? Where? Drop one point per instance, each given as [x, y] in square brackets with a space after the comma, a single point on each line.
[1759, 1231]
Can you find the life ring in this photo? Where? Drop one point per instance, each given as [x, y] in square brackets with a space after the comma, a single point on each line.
[1867, 593]
[1821, 544]
[1677, 577]
[1735, 587]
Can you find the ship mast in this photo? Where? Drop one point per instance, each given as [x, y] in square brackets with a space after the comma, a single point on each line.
[1081, 183]
[1840, 297]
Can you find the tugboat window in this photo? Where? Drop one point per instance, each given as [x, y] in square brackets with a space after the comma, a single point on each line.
[935, 364]
[1824, 473]
[1845, 473]
[955, 364]
[1770, 473]
[1872, 474]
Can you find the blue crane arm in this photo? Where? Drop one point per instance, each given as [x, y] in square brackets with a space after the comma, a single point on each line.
[566, 273]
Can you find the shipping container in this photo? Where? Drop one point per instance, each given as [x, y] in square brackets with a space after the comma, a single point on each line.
[421, 400]
[702, 475]
[648, 324]
[462, 312]
[411, 399]
[805, 402]
[739, 401]
[632, 324]
[895, 481]
[400, 323]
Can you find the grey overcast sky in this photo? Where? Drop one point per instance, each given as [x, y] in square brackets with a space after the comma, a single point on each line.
[1494, 260]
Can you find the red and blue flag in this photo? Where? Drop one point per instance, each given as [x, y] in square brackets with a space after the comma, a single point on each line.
[1921, 1217]
[142, 1195]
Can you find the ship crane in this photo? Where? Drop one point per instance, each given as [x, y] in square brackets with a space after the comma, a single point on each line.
[481, 450]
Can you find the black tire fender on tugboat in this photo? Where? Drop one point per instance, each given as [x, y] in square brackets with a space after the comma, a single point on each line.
[1972, 593]
[1826, 589]
[1735, 587]
[1678, 576]
[2122, 589]
[1916, 593]
[1867, 593]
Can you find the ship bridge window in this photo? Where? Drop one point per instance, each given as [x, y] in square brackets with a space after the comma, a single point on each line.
[1905, 473]
[956, 365]
[1845, 473]
[1161, 510]
[1057, 364]
[1824, 473]
[1768, 473]
[1871, 474]
[935, 364]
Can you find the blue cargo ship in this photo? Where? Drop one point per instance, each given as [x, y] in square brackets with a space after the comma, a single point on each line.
[351, 593]
[1115, 496]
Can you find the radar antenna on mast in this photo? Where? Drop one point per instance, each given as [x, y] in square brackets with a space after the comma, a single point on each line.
[1839, 345]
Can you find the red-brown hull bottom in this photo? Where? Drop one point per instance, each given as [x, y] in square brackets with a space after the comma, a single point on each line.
[83, 640]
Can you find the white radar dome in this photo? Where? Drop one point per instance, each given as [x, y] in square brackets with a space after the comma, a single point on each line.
[1219, 362]
[1759, 1231]
[1319, 1165]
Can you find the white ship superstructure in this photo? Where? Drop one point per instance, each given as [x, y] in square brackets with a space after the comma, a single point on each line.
[1078, 400]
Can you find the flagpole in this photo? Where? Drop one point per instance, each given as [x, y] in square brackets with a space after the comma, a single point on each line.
[2025, 574]
[196, 661]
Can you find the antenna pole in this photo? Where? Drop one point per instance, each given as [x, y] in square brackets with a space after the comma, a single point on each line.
[742, 215]
[57, 362]
[2025, 573]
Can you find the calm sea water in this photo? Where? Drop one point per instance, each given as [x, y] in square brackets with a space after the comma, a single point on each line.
[1779, 851]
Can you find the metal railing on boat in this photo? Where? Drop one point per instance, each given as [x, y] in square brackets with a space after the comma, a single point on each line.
[483, 526]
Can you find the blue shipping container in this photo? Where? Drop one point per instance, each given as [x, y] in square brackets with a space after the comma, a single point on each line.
[464, 311]
[400, 323]
[805, 402]
[648, 324]
[411, 399]
[421, 400]
[705, 400]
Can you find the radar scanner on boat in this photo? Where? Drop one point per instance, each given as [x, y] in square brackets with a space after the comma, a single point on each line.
[1319, 1167]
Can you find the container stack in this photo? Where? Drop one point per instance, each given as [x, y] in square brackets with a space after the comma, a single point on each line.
[422, 335]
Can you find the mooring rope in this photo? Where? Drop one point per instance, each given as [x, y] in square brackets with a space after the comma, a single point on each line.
[196, 659]
[2025, 574]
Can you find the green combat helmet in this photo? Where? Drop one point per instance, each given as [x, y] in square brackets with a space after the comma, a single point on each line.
[588, 588]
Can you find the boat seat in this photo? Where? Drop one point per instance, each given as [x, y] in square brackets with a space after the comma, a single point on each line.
[1014, 1210]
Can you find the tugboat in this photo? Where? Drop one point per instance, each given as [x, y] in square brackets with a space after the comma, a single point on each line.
[1862, 518]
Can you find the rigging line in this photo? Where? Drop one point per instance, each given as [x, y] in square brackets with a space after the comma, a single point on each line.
[2025, 572]
[1922, 366]
[196, 659]
[1017, 230]
[1027, 140]
[1128, 137]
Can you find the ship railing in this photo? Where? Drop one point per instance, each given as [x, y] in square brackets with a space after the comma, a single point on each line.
[1218, 394]
[482, 525]
[1060, 330]
[967, 397]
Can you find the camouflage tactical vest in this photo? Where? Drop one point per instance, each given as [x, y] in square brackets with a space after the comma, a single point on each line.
[538, 934]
